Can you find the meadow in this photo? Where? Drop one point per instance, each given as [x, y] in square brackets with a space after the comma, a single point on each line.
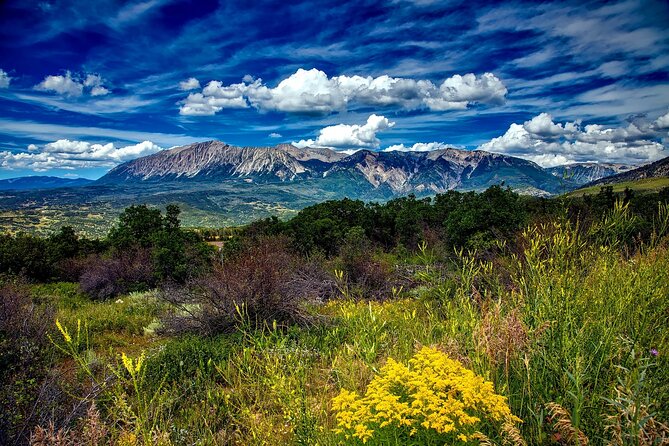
[553, 331]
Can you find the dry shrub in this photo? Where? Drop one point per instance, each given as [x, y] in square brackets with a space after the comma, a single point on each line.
[71, 269]
[107, 277]
[90, 431]
[565, 432]
[370, 278]
[261, 285]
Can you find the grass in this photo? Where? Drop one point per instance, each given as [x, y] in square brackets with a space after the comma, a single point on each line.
[566, 330]
[645, 185]
[127, 322]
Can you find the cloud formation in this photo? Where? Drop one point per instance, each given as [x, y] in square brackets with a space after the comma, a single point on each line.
[344, 136]
[67, 154]
[4, 79]
[550, 144]
[418, 147]
[313, 92]
[73, 86]
[94, 82]
[189, 84]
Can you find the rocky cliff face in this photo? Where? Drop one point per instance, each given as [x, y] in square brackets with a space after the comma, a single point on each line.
[583, 173]
[400, 172]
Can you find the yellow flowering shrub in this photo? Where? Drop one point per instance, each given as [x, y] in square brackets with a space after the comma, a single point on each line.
[435, 400]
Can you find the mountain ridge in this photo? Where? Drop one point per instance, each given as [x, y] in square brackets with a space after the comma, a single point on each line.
[583, 173]
[41, 182]
[403, 172]
[656, 169]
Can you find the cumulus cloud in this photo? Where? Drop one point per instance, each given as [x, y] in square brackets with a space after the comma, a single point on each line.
[214, 98]
[344, 136]
[4, 79]
[550, 144]
[67, 154]
[73, 86]
[313, 92]
[418, 147]
[275, 135]
[662, 122]
[94, 82]
[189, 84]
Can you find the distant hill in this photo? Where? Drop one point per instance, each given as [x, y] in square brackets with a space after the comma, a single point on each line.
[583, 173]
[363, 173]
[658, 169]
[41, 182]
[645, 185]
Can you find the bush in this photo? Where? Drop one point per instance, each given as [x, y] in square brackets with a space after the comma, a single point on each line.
[107, 277]
[367, 276]
[263, 285]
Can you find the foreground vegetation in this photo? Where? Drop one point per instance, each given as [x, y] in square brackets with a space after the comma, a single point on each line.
[469, 319]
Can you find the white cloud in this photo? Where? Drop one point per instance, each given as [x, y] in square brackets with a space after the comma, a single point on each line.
[67, 154]
[4, 79]
[662, 122]
[214, 98]
[64, 85]
[275, 135]
[189, 84]
[418, 147]
[549, 143]
[313, 92]
[543, 125]
[94, 81]
[343, 136]
[73, 86]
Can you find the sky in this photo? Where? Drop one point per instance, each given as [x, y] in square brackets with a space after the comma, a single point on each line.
[86, 85]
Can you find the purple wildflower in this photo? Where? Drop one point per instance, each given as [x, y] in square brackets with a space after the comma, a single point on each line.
[653, 351]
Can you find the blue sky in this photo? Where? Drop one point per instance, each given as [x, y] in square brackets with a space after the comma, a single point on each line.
[86, 85]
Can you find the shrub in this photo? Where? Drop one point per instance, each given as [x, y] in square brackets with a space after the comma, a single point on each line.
[265, 284]
[433, 401]
[107, 277]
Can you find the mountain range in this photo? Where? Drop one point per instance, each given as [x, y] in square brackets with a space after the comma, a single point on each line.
[656, 169]
[584, 173]
[217, 184]
[41, 182]
[381, 174]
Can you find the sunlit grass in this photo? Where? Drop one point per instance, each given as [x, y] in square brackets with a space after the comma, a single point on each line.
[641, 186]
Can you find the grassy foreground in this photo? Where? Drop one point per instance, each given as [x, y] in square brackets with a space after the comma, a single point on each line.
[572, 333]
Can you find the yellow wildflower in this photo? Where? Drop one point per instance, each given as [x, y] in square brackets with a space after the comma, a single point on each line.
[64, 332]
[434, 394]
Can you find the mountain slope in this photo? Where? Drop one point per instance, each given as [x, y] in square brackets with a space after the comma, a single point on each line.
[387, 173]
[583, 173]
[658, 169]
[41, 182]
